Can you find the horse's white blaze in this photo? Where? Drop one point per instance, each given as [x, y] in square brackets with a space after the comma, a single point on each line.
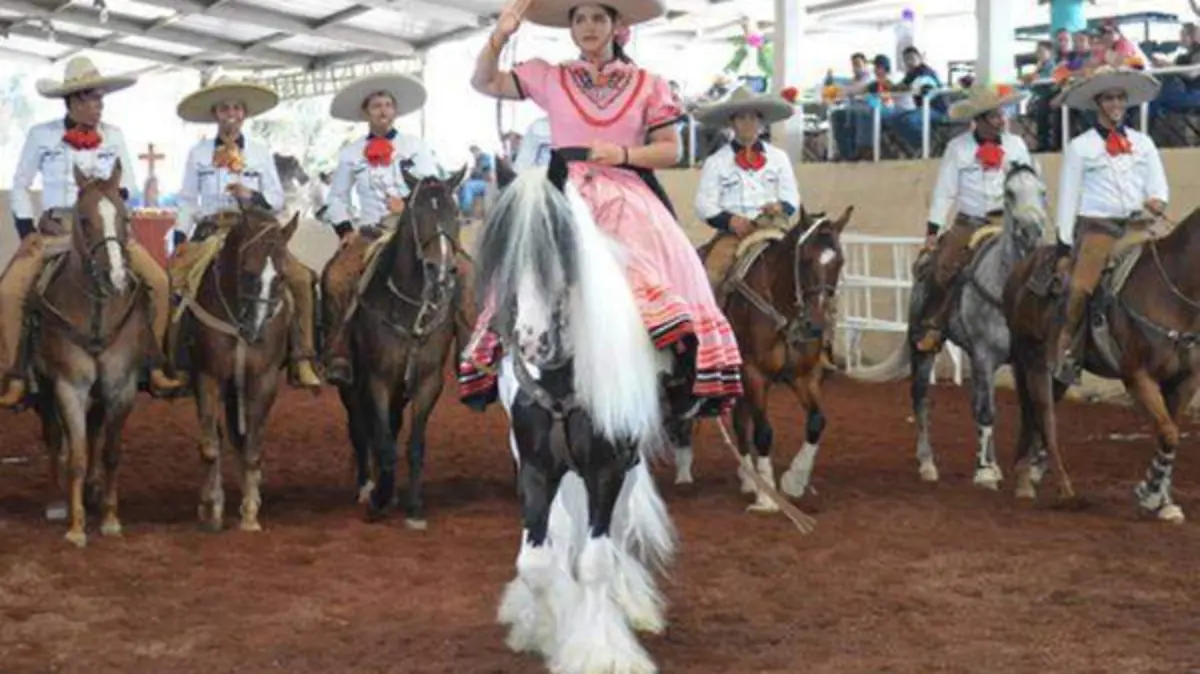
[266, 280]
[533, 320]
[826, 256]
[117, 273]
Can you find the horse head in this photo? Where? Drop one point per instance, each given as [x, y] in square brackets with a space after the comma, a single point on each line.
[818, 261]
[1025, 205]
[250, 267]
[101, 228]
[289, 169]
[431, 222]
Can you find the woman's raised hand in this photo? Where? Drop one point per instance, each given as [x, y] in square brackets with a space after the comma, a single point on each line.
[510, 18]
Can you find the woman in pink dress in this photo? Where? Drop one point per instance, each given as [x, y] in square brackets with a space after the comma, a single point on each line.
[602, 109]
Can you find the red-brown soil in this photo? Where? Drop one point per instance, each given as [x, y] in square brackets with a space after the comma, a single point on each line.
[899, 576]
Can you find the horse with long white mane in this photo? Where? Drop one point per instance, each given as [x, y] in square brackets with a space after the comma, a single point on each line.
[581, 382]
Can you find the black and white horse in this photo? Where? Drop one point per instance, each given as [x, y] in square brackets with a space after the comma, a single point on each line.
[580, 381]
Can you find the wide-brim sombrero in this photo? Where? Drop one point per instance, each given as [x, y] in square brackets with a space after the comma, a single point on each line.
[557, 13]
[407, 91]
[772, 109]
[1139, 87]
[982, 99]
[80, 74]
[198, 105]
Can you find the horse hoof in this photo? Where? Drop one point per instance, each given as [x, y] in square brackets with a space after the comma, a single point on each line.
[76, 538]
[793, 484]
[111, 528]
[251, 526]
[762, 508]
[56, 512]
[1171, 513]
[415, 524]
[988, 484]
[1025, 492]
[929, 472]
[364, 493]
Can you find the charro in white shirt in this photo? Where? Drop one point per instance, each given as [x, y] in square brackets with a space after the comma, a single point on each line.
[46, 152]
[964, 184]
[1094, 184]
[727, 189]
[205, 186]
[373, 186]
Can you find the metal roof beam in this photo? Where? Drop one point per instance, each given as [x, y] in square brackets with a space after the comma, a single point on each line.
[73, 40]
[153, 29]
[444, 12]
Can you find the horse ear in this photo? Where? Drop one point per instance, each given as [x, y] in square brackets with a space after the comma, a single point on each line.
[844, 220]
[290, 228]
[409, 179]
[803, 214]
[456, 178]
[557, 171]
[80, 179]
[114, 178]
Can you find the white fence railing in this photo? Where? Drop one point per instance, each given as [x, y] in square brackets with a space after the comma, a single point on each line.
[860, 287]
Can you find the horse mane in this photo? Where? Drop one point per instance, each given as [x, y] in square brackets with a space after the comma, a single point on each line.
[507, 251]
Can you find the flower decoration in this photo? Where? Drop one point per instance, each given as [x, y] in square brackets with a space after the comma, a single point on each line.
[831, 93]
[621, 37]
[229, 158]
[790, 94]
[82, 139]
[751, 40]
[990, 156]
[378, 152]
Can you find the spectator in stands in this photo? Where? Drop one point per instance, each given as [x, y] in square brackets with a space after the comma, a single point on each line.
[1180, 92]
[919, 80]
[1117, 50]
[1039, 79]
[1062, 44]
[1046, 61]
[475, 186]
[843, 119]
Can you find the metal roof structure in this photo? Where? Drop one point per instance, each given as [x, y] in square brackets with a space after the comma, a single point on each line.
[261, 35]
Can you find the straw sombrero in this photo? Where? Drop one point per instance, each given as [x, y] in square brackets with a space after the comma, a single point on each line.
[556, 13]
[1140, 87]
[982, 99]
[80, 74]
[198, 105]
[772, 108]
[408, 92]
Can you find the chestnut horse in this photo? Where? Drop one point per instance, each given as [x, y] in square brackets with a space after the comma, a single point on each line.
[1143, 332]
[91, 342]
[401, 331]
[777, 307]
[237, 330]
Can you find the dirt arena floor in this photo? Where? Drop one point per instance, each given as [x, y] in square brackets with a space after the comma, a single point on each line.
[899, 576]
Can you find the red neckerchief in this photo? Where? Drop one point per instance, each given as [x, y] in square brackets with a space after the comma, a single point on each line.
[378, 151]
[82, 139]
[749, 158]
[1115, 141]
[990, 154]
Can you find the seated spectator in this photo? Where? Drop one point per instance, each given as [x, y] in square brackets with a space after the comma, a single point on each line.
[1046, 62]
[849, 96]
[1040, 80]
[475, 186]
[1117, 50]
[1180, 92]
[919, 80]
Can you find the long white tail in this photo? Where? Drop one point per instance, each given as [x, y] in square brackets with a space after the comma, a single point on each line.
[894, 367]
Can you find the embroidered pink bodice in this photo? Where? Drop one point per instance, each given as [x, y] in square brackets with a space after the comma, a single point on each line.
[617, 102]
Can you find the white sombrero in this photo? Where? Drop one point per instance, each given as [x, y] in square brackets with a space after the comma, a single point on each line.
[198, 105]
[80, 74]
[557, 13]
[772, 108]
[1138, 86]
[982, 99]
[407, 91]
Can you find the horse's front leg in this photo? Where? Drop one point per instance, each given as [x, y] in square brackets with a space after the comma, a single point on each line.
[429, 389]
[681, 432]
[922, 369]
[55, 439]
[72, 405]
[795, 480]
[383, 445]
[208, 408]
[983, 407]
[1154, 492]
[117, 411]
[358, 426]
[260, 400]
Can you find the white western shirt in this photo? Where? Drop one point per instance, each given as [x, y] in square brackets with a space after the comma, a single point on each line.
[375, 185]
[725, 187]
[205, 186]
[1094, 184]
[45, 152]
[963, 183]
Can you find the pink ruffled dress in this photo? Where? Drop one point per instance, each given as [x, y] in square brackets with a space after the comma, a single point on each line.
[620, 103]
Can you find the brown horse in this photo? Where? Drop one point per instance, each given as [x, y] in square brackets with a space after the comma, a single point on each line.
[237, 332]
[401, 331]
[777, 302]
[1142, 331]
[92, 339]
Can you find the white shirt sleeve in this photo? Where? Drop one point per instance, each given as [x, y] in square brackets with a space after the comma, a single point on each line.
[945, 191]
[708, 192]
[27, 169]
[1157, 186]
[1070, 179]
[272, 187]
[128, 168]
[188, 198]
[789, 191]
[338, 199]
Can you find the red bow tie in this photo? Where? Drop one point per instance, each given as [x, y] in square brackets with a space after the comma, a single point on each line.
[378, 152]
[1117, 143]
[82, 139]
[750, 160]
[990, 156]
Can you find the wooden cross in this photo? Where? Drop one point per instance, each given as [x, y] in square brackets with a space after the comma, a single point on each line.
[150, 156]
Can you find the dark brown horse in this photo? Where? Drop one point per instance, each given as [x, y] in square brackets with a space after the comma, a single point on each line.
[92, 340]
[1144, 334]
[237, 331]
[777, 307]
[401, 331]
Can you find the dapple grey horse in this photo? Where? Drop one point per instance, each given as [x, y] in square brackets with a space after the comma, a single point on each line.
[976, 324]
